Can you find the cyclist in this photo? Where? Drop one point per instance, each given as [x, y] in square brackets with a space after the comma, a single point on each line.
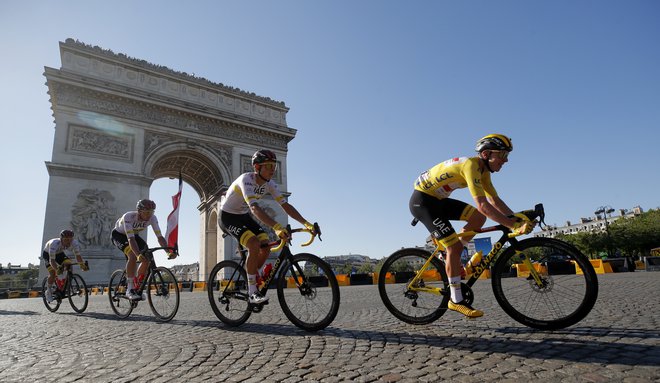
[431, 205]
[125, 236]
[241, 200]
[55, 257]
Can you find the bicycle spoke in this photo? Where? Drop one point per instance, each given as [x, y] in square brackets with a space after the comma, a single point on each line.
[563, 297]
[407, 296]
[227, 290]
[163, 294]
[78, 297]
[312, 301]
[117, 288]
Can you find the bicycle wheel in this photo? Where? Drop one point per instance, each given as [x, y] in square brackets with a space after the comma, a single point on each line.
[163, 294]
[55, 303]
[409, 304]
[78, 293]
[227, 289]
[313, 301]
[568, 288]
[117, 288]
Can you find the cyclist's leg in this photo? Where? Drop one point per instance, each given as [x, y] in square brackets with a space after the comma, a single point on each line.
[250, 235]
[435, 215]
[51, 270]
[122, 242]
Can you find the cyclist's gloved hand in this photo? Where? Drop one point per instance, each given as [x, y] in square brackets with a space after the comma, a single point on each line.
[310, 227]
[523, 227]
[281, 232]
[171, 255]
[60, 269]
[83, 266]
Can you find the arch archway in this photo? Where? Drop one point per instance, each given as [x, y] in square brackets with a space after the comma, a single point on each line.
[121, 123]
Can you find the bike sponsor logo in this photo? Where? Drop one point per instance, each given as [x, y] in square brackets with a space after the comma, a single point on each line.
[486, 262]
[272, 273]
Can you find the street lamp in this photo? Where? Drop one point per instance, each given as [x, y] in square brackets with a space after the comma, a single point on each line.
[605, 210]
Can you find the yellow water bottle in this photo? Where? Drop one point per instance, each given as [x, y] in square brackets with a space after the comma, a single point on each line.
[473, 262]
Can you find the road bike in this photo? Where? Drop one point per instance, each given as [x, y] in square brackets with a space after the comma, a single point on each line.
[72, 288]
[555, 288]
[160, 286]
[311, 302]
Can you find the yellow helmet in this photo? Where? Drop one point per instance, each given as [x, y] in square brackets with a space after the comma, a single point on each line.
[494, 142]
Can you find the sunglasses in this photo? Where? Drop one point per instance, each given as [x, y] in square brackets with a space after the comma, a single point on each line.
[502, 154]
[269, 166]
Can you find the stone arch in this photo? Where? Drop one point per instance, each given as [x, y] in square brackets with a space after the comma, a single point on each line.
[121, 122]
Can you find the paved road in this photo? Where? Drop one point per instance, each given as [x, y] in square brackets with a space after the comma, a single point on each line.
[618, 341]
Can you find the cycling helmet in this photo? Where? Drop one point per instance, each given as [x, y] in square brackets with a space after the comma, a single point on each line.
[494, 142]
[66, 234]
[146, 204]
[263, 155]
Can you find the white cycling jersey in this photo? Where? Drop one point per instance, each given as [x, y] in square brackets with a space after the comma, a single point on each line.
[245, 191]
[130, 224]
[55, 246]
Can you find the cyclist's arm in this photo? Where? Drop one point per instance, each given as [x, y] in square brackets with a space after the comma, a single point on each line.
[261, 215]
[162, 241]
[75, 248]
[492, 212]
[132, 243]
[293, 212]
[500, 205]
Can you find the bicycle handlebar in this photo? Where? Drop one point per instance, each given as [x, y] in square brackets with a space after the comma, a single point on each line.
[278, 245]
[151, 250]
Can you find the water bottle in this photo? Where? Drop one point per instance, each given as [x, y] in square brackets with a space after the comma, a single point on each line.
[473, 262]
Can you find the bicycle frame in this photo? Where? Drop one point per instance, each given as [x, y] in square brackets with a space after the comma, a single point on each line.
[149, 255]
[285, 253]
[487, 261]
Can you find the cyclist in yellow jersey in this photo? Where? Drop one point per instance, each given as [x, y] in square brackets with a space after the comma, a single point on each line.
[431, 206]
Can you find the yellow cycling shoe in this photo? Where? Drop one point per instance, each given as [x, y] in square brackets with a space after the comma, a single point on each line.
[465, 309]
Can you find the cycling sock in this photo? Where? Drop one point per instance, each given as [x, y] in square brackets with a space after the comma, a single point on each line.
[455, 289]
[252, 283]
[129, 283]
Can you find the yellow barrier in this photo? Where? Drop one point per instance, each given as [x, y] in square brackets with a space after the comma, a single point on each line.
[343, 279]
[14, 294]
[34, 294]
[599, 266]
[389, 278]
[640, 265]
[522, 271]
[199, 286]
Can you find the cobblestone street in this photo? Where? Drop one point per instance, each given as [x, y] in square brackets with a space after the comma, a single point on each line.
[618, 341]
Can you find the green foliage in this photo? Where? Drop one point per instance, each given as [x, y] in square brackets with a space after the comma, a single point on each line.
[627, 236]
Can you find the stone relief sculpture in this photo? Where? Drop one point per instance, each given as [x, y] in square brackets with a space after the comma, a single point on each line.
[88, 140]
[93, 216]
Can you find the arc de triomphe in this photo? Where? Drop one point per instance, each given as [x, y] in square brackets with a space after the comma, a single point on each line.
[121, 123]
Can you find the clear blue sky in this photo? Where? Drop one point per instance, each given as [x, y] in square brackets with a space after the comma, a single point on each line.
[379, 91]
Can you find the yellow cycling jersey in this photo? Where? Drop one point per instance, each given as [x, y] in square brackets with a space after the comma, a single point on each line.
[456, 173]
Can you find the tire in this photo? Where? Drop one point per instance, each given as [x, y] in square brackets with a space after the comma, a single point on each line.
[55, 304]
[117, 288]
[227, 288]
[565, 298]
[312, 304]
[78, 297]
[163, 294]
[414, 307]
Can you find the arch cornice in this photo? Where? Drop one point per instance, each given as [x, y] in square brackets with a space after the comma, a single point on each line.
[172, 114]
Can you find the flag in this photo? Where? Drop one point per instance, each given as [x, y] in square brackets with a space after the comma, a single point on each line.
[172, 233]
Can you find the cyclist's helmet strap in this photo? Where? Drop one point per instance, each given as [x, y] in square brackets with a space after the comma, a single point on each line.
[66, 234]
[145, 204]
[494, 142]
[263, 155]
